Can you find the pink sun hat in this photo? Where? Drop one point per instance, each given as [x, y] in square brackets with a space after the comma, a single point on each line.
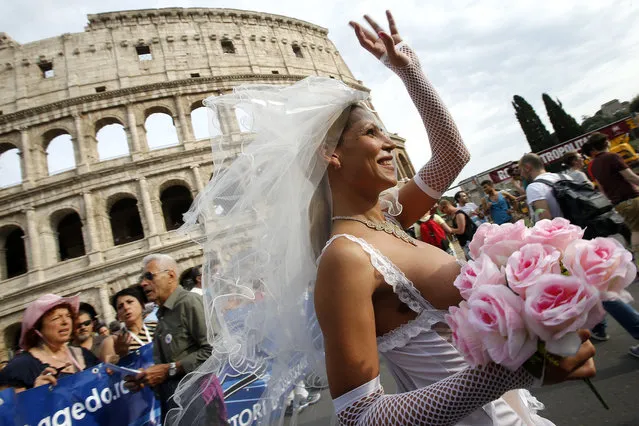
[36, 309]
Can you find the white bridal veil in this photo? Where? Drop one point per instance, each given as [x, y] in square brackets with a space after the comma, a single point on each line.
[256, 218]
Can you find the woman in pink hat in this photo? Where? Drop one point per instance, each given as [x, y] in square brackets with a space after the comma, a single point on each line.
[47, 328]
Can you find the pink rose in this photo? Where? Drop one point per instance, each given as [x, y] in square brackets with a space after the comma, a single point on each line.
[558, 233]
[478, 272]
[557, 306]
[603, 263]
[478, 239]
[465, 338]
[501, 242]
[496, 314]
[528, 264]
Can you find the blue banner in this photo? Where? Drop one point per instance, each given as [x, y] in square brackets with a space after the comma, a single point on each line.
[89, 398]
[95, 398]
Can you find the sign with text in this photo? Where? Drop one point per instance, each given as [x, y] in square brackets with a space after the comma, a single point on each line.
[89, 398]
[556, 153]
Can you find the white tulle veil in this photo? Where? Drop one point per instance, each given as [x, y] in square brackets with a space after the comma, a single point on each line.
[266, 215]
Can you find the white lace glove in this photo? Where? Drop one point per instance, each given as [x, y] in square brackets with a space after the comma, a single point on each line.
[449, 154]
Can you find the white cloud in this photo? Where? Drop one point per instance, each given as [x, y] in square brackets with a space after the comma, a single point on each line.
[478, 55]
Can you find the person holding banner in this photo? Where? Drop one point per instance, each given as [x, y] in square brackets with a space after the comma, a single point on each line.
[129, 305]
[47, 328]
[180, 343]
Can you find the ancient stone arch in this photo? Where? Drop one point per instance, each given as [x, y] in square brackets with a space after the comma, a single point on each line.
[101, 81]
[111, 138]
[61, 139]
[68, 230]
[13, 261]
[10, 158]
[176, 199]
[160, 129]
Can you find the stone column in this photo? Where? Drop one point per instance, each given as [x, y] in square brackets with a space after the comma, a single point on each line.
[105, 306]
[197, 178]
[3, 265]
[228, 120]
[83, 162]
[147, 207]
[29, 175]
[33, 248]
[132, 131]
[182, 124]
[94, 250]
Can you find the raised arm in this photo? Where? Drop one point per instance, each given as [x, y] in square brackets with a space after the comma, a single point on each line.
[449, 154]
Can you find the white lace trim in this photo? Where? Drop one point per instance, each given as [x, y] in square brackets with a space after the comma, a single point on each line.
[393, 276]
[403, 334]
[351, 397]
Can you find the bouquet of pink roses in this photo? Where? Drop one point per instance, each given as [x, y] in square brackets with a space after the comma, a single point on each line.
[528, 290]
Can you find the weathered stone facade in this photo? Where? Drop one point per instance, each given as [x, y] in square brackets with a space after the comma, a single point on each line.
[125, 66]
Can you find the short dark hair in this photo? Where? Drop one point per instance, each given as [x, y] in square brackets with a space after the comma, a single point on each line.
[135, 291]
[596, 141]
[86, 308]
[569, 158]
[457, 195]
[188, 280]
[487, 182]
[533, 160]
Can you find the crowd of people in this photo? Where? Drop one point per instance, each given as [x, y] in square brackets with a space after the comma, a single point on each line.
[373, 293]
[61, 336]
[607, 175]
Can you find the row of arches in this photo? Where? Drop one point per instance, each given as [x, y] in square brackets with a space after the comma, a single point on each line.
[112, 140]
[70, 233]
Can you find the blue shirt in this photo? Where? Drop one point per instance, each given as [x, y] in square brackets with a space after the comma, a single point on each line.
[499, 210]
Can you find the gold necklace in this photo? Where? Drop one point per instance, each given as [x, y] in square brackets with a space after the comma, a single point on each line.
[388, 227]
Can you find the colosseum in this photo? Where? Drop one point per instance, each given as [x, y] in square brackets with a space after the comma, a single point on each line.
[84, 229]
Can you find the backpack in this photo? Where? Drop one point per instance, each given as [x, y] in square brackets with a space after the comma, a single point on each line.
[585, 207]
[469, 230]
[433, 234]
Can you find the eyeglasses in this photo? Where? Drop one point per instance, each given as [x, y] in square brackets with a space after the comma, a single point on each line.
[150, 276]
[85, 323]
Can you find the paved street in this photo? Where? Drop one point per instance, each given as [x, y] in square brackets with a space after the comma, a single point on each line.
[569, 404]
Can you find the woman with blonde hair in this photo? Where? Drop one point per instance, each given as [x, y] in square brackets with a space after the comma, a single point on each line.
[315, 190]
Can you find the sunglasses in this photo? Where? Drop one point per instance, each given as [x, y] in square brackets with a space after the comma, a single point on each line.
[85, 323]
[150, 276]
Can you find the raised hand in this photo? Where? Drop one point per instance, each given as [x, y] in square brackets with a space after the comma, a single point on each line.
[381, 42]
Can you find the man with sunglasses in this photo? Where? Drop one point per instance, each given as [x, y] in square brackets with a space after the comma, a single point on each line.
[84, 335]
[179, 344]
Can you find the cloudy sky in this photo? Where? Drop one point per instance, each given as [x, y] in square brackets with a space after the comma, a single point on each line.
[478, 55]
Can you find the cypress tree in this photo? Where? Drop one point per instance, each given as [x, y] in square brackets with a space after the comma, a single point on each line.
[536, 134]
[566, 127]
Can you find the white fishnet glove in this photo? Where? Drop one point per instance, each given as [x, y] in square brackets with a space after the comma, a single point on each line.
[443, 403]
[449, 154]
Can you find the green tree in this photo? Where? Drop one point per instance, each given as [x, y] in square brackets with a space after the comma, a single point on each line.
[634, 105]
[566, 127]
[593, 123]
[536, 133]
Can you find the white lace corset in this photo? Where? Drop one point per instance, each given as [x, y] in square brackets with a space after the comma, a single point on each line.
[418, 356]
[406, 292]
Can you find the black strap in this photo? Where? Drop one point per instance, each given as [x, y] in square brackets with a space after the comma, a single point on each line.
[562, 177]
[545, 182]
